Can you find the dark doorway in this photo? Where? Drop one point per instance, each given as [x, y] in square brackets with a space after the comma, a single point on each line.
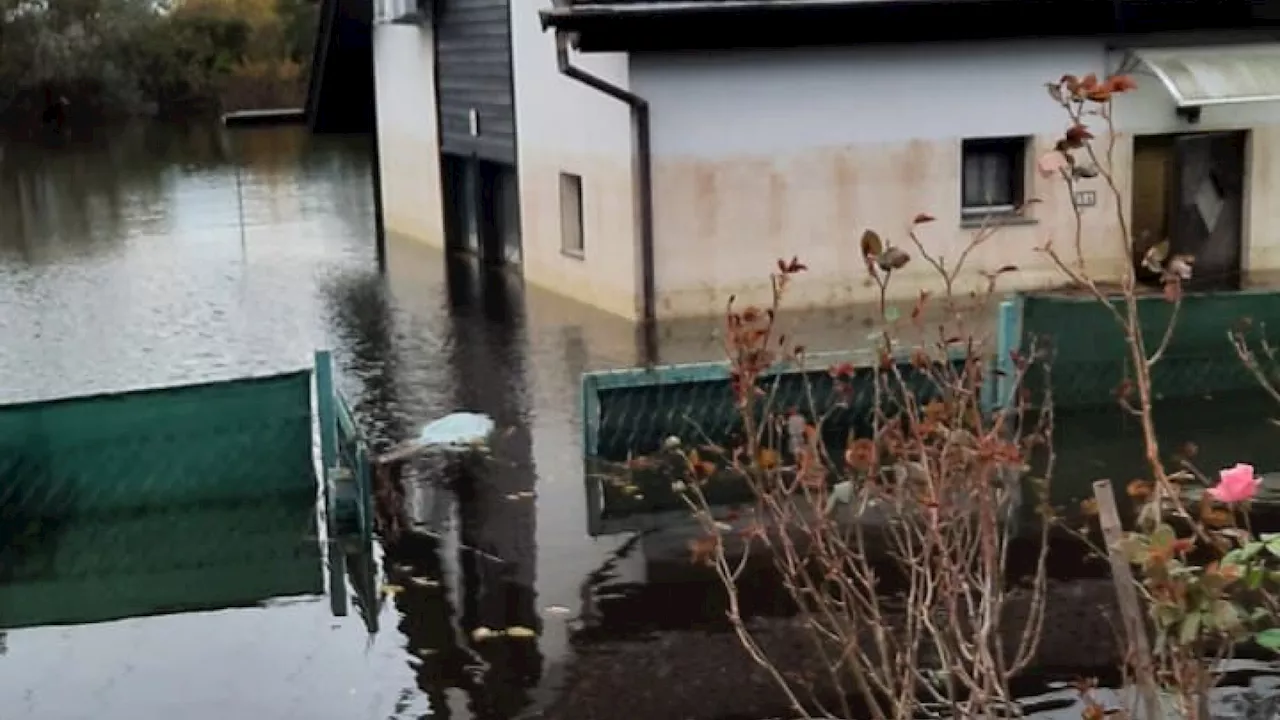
[482, 209]
[1189, 189]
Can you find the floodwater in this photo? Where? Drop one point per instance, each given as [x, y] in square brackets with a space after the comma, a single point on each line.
[154, 256]
[157, 256]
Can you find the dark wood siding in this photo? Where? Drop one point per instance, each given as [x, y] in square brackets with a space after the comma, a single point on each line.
[473, 71]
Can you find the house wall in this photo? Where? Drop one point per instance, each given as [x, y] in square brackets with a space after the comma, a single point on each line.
[768, 154]
[408, 142]
[565, 126]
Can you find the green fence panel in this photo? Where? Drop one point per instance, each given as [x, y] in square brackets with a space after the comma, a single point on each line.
[1088, 350]
[157, 448]
[632, 412]
[345, 457]
[147, 561]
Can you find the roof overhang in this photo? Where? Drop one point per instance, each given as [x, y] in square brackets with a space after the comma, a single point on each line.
[1220, 75]
[670, 25]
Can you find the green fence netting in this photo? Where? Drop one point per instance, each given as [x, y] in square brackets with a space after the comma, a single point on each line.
[159, 500]
[98, 567]
[1088, 354]
[344, 457]
[157, 448]
[630, 413]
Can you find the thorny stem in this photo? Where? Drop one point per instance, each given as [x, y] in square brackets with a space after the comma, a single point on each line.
[943, 524]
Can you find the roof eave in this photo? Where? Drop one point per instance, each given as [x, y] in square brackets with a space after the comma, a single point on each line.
[701, 25]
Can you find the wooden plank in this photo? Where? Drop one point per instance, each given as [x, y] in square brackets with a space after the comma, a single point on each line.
[267, 117]
[1135, 625]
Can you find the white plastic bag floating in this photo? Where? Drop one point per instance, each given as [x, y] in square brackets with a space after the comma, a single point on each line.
[458, 431]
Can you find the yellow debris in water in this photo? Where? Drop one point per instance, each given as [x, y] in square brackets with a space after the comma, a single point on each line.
[392, 590]
[519, 631]
[483, 633]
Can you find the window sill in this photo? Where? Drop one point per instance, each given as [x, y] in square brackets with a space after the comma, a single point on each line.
[575, 254]
[995, 220]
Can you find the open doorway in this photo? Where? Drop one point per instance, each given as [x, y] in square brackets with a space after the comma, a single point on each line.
[481, 208]
[1189, 189]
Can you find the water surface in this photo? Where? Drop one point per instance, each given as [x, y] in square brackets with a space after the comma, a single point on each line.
[154, 256]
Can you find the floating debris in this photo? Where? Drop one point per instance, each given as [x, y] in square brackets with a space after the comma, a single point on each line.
[522, 495]
[520, 632]
[459, 431]
[556, 610]
[424, 582]
[392, 590]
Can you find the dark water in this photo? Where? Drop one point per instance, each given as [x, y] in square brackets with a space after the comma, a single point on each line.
[153, 256]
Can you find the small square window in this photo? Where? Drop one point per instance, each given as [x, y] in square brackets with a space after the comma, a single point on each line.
[993, 176]
[572, 239]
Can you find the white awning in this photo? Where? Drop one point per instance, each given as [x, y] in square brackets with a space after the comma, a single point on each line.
[1218, 75]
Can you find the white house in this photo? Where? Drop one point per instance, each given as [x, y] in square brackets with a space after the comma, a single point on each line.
[653, 157]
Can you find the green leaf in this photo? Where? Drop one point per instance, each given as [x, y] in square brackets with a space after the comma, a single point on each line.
[1269, 639]
[1244, 554]
[1273, 547]
[1226, 616]
[1253, 579]
[891, 314]
[1190, 629]
[1163, 537]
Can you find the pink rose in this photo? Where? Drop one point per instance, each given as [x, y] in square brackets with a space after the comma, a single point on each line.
[1237, 484]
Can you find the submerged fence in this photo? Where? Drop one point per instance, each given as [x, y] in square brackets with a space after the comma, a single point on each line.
[161, 500]
[633, 413]
[630, 413]
[1089, 359]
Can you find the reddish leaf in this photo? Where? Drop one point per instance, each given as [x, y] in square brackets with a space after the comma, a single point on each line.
[922, 218]
[1121, 83]
[1077, 134]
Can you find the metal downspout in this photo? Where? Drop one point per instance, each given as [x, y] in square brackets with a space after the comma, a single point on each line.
[642, 165]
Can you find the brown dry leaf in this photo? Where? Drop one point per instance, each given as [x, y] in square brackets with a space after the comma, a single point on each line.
[767, 458]
[872, 245]
[702, 550]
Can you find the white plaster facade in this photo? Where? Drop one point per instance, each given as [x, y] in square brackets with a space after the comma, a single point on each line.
[772, 153]
[565, 126]
[762, 155]
[408, 142]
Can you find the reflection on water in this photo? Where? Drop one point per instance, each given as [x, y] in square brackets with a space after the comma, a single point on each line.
[155, 256]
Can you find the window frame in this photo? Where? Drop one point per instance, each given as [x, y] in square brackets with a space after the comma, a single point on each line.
[1015, 150]
[572, 216]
